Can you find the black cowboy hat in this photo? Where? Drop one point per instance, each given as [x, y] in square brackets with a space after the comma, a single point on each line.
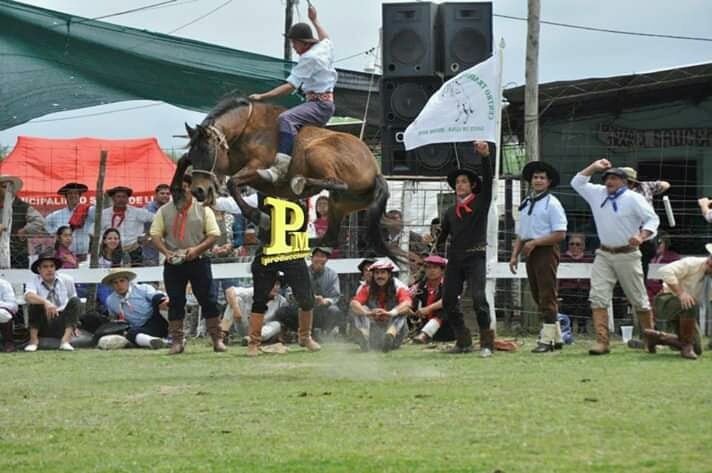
[301, 32]
[72, 186]
[541, 166]
[474, 178]
[367, 262]
[116, 189]
[618, 172]
[47, 256]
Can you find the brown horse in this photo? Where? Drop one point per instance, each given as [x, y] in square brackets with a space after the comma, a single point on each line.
[238, 137]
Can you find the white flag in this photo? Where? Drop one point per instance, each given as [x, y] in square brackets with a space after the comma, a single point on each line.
[465, 108]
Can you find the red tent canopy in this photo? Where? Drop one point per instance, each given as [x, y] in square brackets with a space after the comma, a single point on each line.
[45, 165]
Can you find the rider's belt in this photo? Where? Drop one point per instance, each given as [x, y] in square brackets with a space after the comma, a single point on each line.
[320, 97]
[618, 249]
[476, 249]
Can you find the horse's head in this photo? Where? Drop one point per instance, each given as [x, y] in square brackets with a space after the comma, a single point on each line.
[207, 148]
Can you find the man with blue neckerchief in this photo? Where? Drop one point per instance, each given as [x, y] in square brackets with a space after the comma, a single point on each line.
[624, 220]
[542, 225]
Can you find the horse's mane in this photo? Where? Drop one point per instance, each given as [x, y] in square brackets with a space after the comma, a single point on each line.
[226, 103]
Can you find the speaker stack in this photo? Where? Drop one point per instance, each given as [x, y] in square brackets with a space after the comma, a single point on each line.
[425, 44]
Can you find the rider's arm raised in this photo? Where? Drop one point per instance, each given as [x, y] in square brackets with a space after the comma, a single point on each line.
[320, 31]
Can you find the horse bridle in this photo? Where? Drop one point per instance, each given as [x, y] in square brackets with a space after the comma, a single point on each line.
[220, 141]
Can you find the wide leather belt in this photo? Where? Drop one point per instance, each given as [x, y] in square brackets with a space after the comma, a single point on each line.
[320, 97]
[618, 249]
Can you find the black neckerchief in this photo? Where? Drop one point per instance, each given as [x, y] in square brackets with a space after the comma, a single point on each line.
[533, 199]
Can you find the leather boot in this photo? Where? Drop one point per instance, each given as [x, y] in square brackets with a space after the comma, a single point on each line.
[8, 342]
[645, 318]
[688, 327]
[216, 335]
[486, 342]
[463, 343]
[600, 326]
[175, 329]
[255, 334]
[304, 331]
[663, 338]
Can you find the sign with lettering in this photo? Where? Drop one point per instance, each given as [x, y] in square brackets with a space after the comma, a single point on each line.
[288, 235]
[620, 137]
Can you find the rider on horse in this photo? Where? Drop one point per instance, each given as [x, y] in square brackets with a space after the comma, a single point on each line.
[314, 75]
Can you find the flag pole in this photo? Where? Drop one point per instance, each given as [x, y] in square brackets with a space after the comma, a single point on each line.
[494, 214]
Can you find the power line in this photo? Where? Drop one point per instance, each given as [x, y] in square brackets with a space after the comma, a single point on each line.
[201, 17]
[368, 51]
[134, 10]
[96, 114]
[608, 30]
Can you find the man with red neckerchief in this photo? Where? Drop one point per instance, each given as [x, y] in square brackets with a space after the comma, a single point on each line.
[466, 225]
[428, 294]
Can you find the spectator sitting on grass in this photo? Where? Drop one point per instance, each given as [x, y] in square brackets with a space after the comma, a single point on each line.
[380, 310]
[8, 311]
[53, 303]
[239, 307]
[428, 304]
[139, 305]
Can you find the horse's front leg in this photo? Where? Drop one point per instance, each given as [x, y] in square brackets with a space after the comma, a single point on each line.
[246, 176]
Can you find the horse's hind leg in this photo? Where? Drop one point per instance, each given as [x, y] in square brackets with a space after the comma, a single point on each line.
[336, 217]
[300, 183]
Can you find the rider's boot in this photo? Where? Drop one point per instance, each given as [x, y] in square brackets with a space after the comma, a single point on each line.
[278, 171]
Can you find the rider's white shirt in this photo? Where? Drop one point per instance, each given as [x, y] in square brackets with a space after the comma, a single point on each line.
[315, 71]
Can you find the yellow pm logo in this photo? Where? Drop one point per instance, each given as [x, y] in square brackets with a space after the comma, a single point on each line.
[287, 242]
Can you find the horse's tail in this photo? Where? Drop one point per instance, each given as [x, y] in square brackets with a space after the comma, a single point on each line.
[375, 213]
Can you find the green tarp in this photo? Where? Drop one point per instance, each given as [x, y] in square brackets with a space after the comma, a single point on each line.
[51, 62]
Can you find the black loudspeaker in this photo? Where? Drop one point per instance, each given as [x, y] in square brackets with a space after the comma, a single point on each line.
[430, 160]
[410, 39]
[403, 99]
[465, 35]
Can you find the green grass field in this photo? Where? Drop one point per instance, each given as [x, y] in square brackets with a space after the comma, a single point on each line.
[343, 411]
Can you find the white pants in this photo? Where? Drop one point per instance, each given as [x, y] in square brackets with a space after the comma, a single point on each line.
[625, 268]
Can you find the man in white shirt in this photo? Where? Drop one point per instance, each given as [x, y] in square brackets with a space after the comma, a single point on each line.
[314, 75]
[624, 220]
[686, 291]
[53, 303]
[130, 221]
[8, 309]
[542, 225]
[72, 193]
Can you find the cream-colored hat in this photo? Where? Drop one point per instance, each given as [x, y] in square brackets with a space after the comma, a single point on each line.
[16, 181]
[118, 273]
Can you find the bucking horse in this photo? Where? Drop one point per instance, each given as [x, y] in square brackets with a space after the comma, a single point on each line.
[240, 136]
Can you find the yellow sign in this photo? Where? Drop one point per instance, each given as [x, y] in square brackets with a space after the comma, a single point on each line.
[286, 241]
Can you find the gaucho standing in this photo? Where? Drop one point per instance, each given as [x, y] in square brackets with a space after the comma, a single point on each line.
[542, 225]
[466, 225]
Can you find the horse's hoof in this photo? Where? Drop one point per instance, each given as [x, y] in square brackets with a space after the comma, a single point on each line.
[298, 183]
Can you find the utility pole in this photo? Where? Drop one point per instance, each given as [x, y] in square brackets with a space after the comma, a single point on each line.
[531, 91]
[288, 18]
